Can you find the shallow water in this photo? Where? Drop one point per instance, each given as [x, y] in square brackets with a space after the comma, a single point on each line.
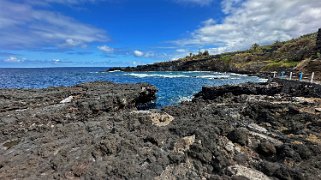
[173, 87]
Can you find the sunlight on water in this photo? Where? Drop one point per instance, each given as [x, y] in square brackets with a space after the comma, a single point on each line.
[173, 87]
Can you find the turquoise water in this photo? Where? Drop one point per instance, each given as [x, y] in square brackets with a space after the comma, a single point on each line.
[173, 87]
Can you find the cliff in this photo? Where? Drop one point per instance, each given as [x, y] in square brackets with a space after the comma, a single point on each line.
[300, 54]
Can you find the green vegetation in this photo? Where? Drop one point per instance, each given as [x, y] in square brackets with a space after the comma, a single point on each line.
[287, 54]
[272, 65]
[195, 57]
[226, 58]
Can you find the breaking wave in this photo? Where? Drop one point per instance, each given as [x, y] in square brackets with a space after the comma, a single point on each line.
[185, 98]
[158, 75]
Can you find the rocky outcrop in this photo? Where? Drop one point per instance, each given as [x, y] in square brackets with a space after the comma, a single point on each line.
[276, 86]
[318, 42]
[206, 64]
[95, 131]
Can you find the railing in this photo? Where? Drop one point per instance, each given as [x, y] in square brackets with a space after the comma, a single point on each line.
[294, 76]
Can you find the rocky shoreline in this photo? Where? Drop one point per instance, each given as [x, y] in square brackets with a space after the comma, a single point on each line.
[104, 130]
[302, 54]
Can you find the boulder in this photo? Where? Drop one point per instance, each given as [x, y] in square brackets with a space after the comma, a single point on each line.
[239, 135]
[266, 148]
[238, 170]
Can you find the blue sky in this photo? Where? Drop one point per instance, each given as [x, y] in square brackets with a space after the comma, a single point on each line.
[106, 33]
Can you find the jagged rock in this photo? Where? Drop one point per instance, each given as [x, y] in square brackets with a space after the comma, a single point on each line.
[318, 109]
[269, 168]
[159, 119]
[257, 128]
[318, 42]
[263, 137]
[67, 100]
[266, 148]
[101, 134]
[238, 170]
[184, 144]
[239, 135]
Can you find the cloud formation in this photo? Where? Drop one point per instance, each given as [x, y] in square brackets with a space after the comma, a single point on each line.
[27, 26]
[106, 49]
[56, 61]
[138, 53]
[256, 21]
[198, 2]
[13, 59]
[149, 54]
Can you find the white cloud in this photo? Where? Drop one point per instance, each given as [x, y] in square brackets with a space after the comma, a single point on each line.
[13, 59]
[256, 21]
[106, 49]
[148, 54]
[198, 2]
[138, 53]
[27, 26]
[181, 50]
[228, 6]
[71, 42]
[56, 61]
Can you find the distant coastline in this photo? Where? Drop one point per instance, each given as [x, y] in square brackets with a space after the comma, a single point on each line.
[302, 54]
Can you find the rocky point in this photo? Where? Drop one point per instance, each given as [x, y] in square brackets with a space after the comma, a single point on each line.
[99, 131]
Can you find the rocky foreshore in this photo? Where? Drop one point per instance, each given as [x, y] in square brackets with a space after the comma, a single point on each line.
[99, 131]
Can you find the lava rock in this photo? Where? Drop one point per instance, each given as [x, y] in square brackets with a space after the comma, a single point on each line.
[286, 151]
[266, 148]
[239, 135]
[269, 168]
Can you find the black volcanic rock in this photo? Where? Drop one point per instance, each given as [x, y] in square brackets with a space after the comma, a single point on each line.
[318, 42]
[95, 131]
[239, 135]
[267, 148]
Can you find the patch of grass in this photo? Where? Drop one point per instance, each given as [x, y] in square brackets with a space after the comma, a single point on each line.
[280, 64]
[226, 58]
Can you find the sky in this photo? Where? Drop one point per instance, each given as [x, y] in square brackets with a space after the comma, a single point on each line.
[112, 33]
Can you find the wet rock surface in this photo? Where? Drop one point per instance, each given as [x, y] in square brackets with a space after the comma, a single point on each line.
[260, 132]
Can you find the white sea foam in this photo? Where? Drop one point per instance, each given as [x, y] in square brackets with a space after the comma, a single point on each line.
[188, 72]
[263, 80]
[158, 75]
[115, 71]
[234, 74]
[185, 98]
[214, 76]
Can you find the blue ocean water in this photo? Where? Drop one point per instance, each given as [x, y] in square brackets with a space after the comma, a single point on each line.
[173, 86]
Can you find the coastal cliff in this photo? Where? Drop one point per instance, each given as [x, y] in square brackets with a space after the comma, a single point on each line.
[300, 54]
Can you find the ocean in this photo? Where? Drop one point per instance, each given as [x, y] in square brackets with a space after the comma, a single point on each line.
[173, 87]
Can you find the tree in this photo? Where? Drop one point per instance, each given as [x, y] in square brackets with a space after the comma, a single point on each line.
[206, 53]
[256, 49]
